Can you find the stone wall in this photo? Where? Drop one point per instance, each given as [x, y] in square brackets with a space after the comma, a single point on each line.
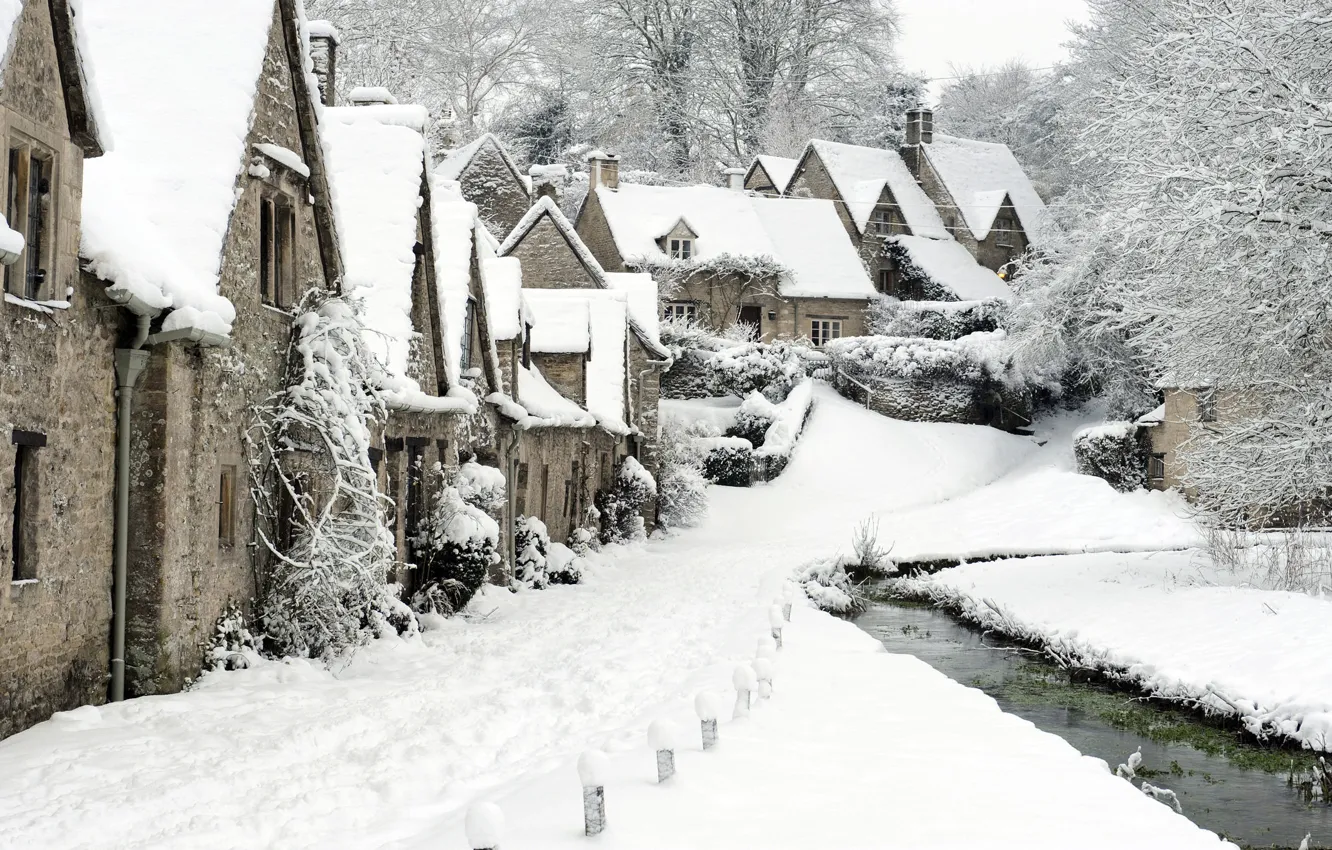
[567, 373]
[498, 193]
[987, 251]
[758, 181]
[56, 378]
[595, 232]
[559, 473]
[549, 261]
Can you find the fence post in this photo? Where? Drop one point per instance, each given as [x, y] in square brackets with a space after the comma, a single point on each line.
[592, 768]
[744, 680]
[775, 620]
[663, 737]
[484, 824]
[763, 669]
[706, 709]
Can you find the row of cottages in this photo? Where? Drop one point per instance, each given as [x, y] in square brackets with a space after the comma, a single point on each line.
[161, 232]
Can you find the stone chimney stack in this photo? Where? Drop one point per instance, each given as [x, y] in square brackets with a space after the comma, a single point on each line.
[735, 179]
[548, 181]
[920, 126]
[371, 96]
[603, 169]
[324, 40]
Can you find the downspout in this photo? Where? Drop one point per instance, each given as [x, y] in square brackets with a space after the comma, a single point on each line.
[130, 363]
[511, 532]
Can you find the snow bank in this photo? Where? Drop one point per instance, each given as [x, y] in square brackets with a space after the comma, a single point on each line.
[1168, 623]
[716, 414]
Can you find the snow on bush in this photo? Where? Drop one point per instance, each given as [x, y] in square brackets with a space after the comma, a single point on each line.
[944, 320]
[971, 359]
[621, 507]
[459, 543]
[728, 462]
[708, 364]
[753, 419]
[532, 543]
[682, 489]
[828, 586]
[233, 647]
[482, 487]
[310, 469]
[1116, 452]
[564, 565]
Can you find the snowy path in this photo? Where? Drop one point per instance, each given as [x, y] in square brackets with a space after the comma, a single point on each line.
[385, 750]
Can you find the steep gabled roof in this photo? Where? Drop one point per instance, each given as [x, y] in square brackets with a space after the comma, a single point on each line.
[805, 236]
[545, 208]
[779, 169]
[453, 165]
[951, 265]
[860, 175]
[592, 321]
[978, 176]
[179, 81]
[82, 106]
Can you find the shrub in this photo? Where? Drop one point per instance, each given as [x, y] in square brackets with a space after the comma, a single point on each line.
[828, 586]
[944, 320]
[1116, 452]
[728, 461]
[708, 364]
[459, 543]
[621, 507]
[532, 543]
[482, 487]
[233, 647]
[751, 425]
[683, 491]
[564, 565]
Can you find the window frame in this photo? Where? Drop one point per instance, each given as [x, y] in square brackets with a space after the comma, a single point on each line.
[1205, 399]
[26, 498]
[680, 247]
[686, 310]
[823, 331]
[277, 250]
[469, 328]
[1003, 233]
[19, 188]
[226, 505]
[1155, 465]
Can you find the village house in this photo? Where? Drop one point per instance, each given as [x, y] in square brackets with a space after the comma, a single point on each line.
[770, 175]
[724, 256]
[490, 179]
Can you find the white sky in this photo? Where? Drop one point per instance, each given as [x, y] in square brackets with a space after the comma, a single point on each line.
[983, 32]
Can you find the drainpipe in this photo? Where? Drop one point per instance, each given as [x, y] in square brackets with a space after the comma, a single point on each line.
[130, 363]
[511, 532]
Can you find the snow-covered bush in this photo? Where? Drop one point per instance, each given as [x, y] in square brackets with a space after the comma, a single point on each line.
[532, 543]
[313, 482]
[944, 320]
[1116, 452]
[482, 487]
[621, 507]
[563, 564]
[233, 647]
[459, 543]
[682, 490]
[709, 364]
[729, 461]
[753, 419]
[971, 359]
[788, 422]
[828, 586]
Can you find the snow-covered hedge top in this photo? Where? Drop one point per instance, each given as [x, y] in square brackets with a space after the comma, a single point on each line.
[376, 158]
[971, 358]
[178, 81]
[779, 169]
[951, 266]
[978, 175]
[936, 319]
[803, 238]
[1105, 431]
[860, 174]
[788, 419]
[718, 414]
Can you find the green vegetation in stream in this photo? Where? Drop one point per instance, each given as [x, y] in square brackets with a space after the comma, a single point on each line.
[1039, 684]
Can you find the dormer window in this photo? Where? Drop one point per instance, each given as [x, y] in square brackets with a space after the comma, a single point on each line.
[681, 249]
[886, 221]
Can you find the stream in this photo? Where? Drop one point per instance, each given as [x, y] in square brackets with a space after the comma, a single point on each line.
[1230, 786]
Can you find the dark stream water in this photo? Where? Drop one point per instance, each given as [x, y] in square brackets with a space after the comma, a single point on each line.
[1227, 785]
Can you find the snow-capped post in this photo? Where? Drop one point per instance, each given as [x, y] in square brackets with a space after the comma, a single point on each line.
[592, 768]
[776, 621]
[706, 709]
[788, 598]
[745, 683]
[763, 669]
[663, 736]
[767, 648]
[484, 824]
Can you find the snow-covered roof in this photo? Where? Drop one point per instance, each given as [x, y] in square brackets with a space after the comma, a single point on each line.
[544, 405]
[453, 223]
[375, 157]
[1154, 417]
[778, 168]
[951, 265]
[560, 320]
[860, 173]
[178, 80]
[805, 236]
[372, 94]
[572, 321]
[88, 122]
[502, 282]
[978, 175]
[453, 165]
[641, 296]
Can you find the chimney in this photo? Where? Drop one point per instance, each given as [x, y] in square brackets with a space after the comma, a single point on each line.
[603, 169]
[920, 126]
[324, 39]
[735, 179]
[371, 96]
[548, 181]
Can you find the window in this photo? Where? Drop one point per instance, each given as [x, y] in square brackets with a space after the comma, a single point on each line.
[1004, 233]
[545, 489]
[1156, 468]
[226, 507]
[889, 279]
[682, 249]
[824, 330]
[527, 346]
[686, 310]
[465, 356]
[277, 235]
[23, 549]
[1206, 405]
[28, 209]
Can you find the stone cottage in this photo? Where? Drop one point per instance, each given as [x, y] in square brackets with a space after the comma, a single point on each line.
[986, 200]
[489, 178]
[723, 256]
[57, 380]
[769, 175]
